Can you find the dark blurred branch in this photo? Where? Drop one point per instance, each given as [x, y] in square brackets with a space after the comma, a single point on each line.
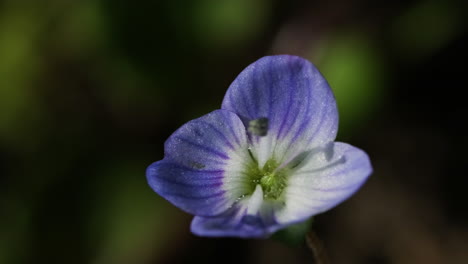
[316, 246]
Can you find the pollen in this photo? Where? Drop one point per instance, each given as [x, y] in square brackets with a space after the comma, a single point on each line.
[271, 178]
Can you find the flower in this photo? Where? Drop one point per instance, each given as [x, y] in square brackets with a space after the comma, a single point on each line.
[267, 159]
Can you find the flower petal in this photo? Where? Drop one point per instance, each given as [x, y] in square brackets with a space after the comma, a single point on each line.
[294, 98]
[323, 180]
[201, 158]
[250, 217]
[192, 190]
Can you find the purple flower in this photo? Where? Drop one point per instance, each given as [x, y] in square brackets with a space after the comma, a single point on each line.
[267, 159]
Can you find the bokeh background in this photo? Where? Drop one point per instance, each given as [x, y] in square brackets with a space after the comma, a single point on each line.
[90, 90]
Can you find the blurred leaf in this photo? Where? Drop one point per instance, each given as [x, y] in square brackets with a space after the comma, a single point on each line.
[80, 30]
[355, 73]
[130, 220]
[14, 231]
[426, 27]
[20, 109]
[229, 23]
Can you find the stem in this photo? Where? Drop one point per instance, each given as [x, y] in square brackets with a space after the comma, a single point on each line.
[316, 246]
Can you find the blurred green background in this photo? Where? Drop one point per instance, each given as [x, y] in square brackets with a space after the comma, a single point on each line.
[90, 90]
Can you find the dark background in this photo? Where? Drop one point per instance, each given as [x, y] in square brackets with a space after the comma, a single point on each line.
[90, 90]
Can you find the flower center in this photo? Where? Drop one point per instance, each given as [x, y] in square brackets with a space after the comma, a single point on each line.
[271, 179]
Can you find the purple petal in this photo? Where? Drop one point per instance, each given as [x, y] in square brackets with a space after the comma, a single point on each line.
[199, 171]
[248, 219]
[323, 180]
[205, 143]
[194, 191]
[225, 227]
[295, 98]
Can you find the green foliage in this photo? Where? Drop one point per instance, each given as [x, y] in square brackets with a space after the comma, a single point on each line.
[425, 27]
[355, 72]
[228, 23]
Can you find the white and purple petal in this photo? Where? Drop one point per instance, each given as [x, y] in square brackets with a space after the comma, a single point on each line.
[295, 98]
[328, 176]
[250, 217]
[202, 167]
